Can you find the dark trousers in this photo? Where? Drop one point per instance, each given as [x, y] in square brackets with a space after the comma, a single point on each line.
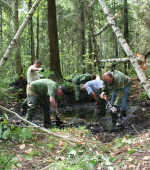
[33, 102]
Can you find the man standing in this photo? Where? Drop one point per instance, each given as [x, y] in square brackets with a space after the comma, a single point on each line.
[32, 75]
[93, 88]
[119, 84]
[83, 78]
[43, 92]
[33, 71]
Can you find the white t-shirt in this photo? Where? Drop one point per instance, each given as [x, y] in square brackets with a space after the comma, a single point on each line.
[32, 75]
[94, 86]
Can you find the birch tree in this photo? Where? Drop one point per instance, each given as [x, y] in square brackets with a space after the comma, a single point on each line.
[19, 33]
[1, 22]
[126, 48]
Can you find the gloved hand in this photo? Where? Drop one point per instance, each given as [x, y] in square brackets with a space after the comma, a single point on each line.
[41, 76]
[41, 69]
[103, 96]
[114, 109]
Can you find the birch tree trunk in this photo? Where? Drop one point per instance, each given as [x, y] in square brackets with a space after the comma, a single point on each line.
[37, 35]
[126, 48]
[19, 32]
[53, 39]
[32, 36]
[1, 30]
[19, 69]
[91, 24]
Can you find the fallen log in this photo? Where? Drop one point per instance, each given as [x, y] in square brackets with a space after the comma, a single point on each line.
[41, 128]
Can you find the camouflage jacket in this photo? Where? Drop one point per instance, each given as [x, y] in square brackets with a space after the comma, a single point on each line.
[83, 78]
[119, 83]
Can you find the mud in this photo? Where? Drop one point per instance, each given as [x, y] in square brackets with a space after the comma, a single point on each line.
[83, 114]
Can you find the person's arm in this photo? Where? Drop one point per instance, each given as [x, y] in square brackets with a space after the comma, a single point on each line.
[53, 103]
[37, 69]
[94, 96]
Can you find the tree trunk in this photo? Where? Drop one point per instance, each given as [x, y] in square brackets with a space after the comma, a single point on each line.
[53, 39]
[82, 35]
[127, 49]
[1, 28]
[19, 32]
[32, 36]
[90, 54]
[91, 24]
[37, 35]
[16, 27]
[126, 29]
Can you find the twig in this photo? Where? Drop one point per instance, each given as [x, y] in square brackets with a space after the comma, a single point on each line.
[138, 166]
[41, 128]
[135, 129]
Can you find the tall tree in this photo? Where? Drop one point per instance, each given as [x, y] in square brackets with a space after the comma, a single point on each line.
[53, 39]
[16, 27]
[32, 36]
[82, 32]
[1, 22]
[37, 35]
[95, 46]
[126, 27]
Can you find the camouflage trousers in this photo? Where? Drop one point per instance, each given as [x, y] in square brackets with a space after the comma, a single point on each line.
[33, 102]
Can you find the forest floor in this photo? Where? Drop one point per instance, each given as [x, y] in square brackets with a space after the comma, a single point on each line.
[99, 147]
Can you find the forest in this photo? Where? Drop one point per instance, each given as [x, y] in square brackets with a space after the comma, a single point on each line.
[65, 41]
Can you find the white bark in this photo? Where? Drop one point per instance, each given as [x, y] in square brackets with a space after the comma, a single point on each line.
[115, 60]
[93, 3]
[107, 24]
[19, 32]
[41, 128]
[127, 49]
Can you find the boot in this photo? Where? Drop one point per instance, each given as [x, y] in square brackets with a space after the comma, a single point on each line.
[123, 113]
[114, 118]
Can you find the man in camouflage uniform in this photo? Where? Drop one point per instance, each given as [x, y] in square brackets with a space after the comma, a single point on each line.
[81, 79]
[119, 84]
[43, 92]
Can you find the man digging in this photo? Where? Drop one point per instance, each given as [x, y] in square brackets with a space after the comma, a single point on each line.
[93, 88]
[44, 92]
[119, 84]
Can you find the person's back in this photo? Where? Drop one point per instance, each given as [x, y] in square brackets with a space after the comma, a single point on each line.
[94, 85]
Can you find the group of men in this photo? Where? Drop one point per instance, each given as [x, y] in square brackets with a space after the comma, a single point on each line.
[43, 92]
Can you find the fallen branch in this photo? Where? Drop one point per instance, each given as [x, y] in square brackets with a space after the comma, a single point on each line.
[118, 14]
[41, 128]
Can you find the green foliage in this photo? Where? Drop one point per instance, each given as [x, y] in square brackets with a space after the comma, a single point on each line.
[9, 131]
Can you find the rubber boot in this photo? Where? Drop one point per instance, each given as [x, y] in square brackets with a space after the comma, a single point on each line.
[123, 113]
[114, 118]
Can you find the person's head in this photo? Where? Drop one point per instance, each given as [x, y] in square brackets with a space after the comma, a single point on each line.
[92, 77]
[37, 63]
[108, 77]
[83, 87]
[61, 90]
